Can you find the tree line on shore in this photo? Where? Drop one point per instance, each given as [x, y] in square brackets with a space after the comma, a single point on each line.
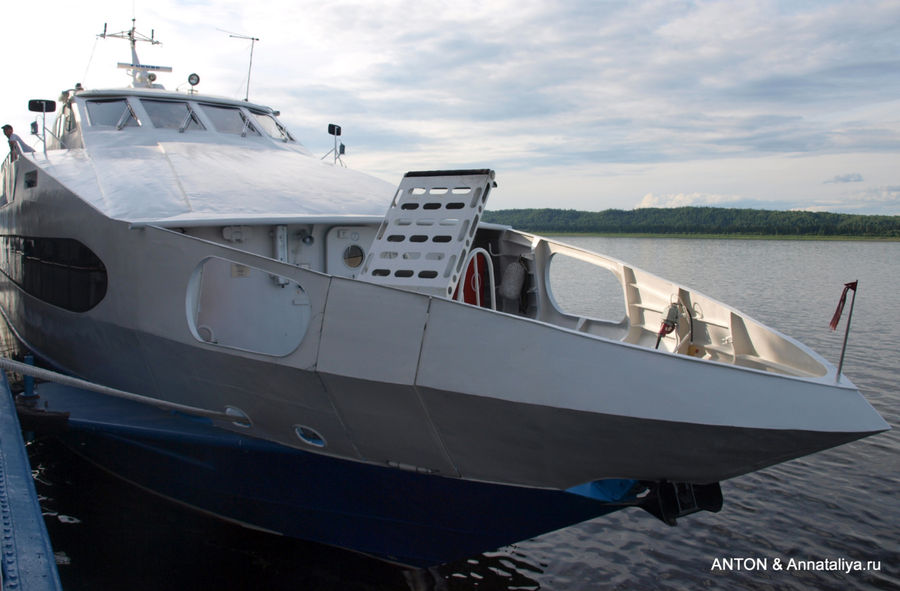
[698, 220]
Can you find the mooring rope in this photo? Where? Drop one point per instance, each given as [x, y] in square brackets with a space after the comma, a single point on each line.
[52, 376]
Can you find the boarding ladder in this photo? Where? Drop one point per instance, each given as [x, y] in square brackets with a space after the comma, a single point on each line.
[425, 241]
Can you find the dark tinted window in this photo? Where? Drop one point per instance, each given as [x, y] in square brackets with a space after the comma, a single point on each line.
[171, 115]
[229, 120]
[111, 112]
[59, 271]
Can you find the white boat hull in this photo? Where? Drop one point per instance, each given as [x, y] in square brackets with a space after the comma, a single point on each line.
[397, 378]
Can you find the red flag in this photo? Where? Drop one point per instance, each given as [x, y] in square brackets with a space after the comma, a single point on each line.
[840, 307]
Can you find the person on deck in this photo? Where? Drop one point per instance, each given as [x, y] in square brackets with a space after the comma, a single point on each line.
[16, 145]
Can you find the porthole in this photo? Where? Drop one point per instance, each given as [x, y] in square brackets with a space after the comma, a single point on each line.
[240, 417]
[309, 436]
[353, 256]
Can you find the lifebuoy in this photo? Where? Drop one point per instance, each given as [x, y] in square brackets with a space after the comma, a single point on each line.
[475, 282]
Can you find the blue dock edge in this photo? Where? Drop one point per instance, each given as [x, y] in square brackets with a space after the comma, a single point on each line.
[27, 557]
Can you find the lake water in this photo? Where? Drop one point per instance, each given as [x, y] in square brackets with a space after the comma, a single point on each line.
[840, 505]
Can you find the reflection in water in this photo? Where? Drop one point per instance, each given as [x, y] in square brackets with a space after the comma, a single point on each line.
[493, 570]
[108, 534]
[127, 538]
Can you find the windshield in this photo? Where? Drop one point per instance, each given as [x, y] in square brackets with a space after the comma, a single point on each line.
[115, 112]
[230, 120]
[171, 115]
[271, 126]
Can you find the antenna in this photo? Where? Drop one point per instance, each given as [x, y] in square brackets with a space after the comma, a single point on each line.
[139, 73]
[253, 41]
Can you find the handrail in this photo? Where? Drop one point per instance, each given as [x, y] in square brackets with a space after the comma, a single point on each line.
[8, 174]
[52, 376]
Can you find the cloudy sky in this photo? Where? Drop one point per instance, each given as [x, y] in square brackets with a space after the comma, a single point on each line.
[576, 104]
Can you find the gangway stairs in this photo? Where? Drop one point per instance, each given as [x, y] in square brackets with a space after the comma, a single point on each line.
[424, 242]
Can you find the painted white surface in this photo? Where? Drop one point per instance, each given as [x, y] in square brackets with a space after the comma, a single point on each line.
[197, 180]
[473, 351]
[372, 333]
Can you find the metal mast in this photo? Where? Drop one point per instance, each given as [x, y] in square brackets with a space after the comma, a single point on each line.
[140, 74]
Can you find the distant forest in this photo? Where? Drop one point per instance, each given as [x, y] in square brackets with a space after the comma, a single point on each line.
[699, 220]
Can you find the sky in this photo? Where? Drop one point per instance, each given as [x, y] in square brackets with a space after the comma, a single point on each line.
[585, 105]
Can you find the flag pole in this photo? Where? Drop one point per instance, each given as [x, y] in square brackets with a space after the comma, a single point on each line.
[846, 333]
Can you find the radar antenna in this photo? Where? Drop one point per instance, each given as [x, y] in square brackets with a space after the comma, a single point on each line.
[141, 75]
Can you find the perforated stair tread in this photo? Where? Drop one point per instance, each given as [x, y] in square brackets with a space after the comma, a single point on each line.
[428, 231]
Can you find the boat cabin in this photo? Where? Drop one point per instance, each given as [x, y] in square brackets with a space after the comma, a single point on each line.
[151, 114]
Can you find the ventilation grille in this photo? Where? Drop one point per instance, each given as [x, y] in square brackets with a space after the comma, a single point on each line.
[427, 233]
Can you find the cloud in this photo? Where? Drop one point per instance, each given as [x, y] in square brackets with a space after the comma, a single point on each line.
[885, 197]
[853, 177]
[692, 199]
[592, 91]
[882, 200]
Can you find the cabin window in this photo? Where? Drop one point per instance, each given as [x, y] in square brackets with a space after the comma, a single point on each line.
[64, 125]
[172, 115]
[70, 125]
[230, 120]
[271, 126]
[111, 112]
[58, 125]
[58, 271]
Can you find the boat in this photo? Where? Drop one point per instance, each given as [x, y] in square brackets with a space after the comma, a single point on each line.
[312, 351]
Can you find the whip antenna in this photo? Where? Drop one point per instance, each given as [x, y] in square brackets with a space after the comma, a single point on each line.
[253, 41]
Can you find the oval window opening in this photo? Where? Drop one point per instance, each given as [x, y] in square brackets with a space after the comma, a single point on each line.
[582, 289]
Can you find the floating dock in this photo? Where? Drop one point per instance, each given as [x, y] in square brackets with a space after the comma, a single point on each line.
[27, 557]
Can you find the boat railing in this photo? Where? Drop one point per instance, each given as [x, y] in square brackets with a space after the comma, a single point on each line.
[701, 327]
[548, 305]
[9, 179]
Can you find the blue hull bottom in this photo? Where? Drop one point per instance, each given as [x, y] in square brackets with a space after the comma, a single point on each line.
[400, 516]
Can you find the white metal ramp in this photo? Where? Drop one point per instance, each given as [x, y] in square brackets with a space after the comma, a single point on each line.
[427, 233]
